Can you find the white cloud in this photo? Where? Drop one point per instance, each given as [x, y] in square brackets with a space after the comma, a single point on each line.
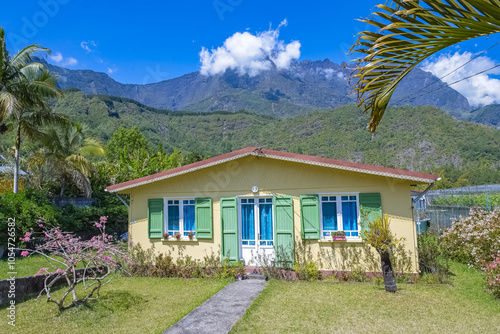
[330, 73]
[88, 46]
[250, 54]
[480, 89]
[58, 58]
[112, 70]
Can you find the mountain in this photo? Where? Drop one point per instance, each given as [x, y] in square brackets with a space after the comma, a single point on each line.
[489, 115]
[305, 87]
[416, 138]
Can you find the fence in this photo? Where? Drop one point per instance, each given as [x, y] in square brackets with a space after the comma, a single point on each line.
[75, 201]
[441, 207]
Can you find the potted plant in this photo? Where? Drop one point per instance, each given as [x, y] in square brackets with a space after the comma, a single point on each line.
[178, 236]
[166, 236]
[338, 235]
[190, 235]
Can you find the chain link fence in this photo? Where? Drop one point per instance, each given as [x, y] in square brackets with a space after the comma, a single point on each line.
[438, 208]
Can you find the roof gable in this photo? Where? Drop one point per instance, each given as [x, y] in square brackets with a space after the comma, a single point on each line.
[279, 155]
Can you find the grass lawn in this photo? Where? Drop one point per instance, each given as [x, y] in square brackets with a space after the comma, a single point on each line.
[127, 305]
[326, 307]
[28, 266]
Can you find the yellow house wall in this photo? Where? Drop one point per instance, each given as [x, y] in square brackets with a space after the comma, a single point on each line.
[273, 177]
[7, 184]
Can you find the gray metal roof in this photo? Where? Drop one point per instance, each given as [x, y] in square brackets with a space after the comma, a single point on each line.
[8, 168]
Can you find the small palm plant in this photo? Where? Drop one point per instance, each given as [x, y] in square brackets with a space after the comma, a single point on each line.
[381, 238]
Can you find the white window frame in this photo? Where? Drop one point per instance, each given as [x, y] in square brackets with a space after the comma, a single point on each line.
[181, 215]
[340, 223]
[256, 213]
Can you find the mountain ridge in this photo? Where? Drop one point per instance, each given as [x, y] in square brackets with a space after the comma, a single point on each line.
[415, 138]
[305, 87]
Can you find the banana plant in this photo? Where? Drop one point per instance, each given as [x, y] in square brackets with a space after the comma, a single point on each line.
[409, 32]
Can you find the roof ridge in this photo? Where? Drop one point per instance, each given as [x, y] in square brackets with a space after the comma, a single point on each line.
[281, 155]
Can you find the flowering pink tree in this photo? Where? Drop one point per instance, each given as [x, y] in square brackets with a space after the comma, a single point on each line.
[92, 263]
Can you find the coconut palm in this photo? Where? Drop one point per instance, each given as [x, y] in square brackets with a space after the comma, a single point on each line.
[24, 87]
[409, 32]
[65, 151]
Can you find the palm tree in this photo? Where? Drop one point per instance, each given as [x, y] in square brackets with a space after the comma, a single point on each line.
[24, 87]
[409, 32]
[66, 150]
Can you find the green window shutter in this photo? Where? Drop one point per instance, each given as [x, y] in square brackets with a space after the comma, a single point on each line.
[309, 216]
[203, 218]
[155, 217]
[370, 208]
[229, 224]
[283, 231]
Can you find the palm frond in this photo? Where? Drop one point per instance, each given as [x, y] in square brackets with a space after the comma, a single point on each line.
[82, 182]
[409, 32]
[25, 56]
[8, 104]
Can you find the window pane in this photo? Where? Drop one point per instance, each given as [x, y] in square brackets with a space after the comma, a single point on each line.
[344, 198]
[248, 222]
[349, 216]
[329, 216]
[324, 198]
[250, 200]
[352, 198]
[188, 218]
[333, 198]
[173, 218]
[266, 222]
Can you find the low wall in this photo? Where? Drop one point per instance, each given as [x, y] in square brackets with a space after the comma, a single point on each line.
[21, 287]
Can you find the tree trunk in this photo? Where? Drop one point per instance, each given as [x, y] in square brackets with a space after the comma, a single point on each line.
[389, 281]
[16, 159]
[63, 184]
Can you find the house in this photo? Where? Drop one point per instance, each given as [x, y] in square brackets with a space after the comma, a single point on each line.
[253, 201]
[7, 176]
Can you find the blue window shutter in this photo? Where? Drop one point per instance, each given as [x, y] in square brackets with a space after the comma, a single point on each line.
[309, 216]
[155, 217]
[283, 232]
[203, 218]
[370, 208]
[229, 225]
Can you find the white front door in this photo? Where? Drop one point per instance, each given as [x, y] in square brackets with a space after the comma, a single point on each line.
[257, 229]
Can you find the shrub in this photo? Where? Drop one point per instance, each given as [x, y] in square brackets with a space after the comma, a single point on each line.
[147, 263]
[433, 260]
[472, 240]
[307, 271]
[305, 266]
[278, 266]
[492, 269]
[26, 207]
[80, 219]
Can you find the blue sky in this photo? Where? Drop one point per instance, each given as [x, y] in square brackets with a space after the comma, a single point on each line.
[149, 41]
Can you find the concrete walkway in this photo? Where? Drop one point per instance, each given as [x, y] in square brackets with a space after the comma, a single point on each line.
[218, 314]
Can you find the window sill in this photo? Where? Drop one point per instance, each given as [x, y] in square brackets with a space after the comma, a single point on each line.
[354, 241]
[180, 240]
